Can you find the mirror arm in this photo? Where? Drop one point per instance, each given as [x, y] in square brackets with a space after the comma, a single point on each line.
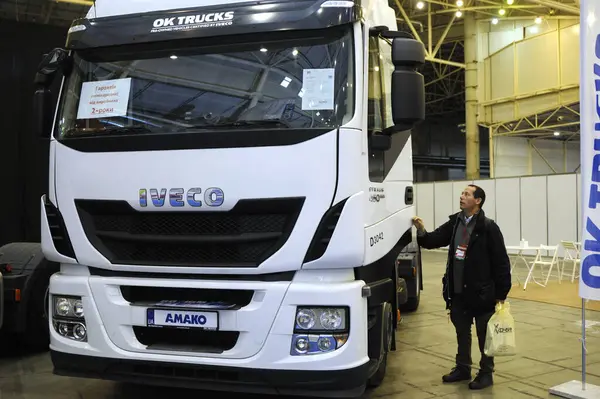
[388, 131]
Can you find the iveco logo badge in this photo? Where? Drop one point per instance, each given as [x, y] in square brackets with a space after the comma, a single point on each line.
[178, 197]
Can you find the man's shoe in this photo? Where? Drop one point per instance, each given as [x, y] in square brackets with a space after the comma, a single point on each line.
[482, 381]
[456, 375]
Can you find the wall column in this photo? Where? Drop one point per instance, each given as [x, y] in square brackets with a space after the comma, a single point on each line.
[472, 129]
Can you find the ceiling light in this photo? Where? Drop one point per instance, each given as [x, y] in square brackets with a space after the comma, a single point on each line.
[295, 52]
[458, 14]
[420, 5]
[502, 11]
[495, 21]
[557, 133]
[460, 3]
[538, 20]
[263, 50]
[510, 2]
[174, 57]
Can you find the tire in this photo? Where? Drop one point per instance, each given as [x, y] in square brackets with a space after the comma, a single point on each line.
[36, 336]
[388, 332]
[413, 303]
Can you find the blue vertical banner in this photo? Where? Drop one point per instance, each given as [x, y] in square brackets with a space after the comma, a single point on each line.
[589, 92]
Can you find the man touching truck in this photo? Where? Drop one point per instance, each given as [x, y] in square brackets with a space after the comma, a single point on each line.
[477, 277]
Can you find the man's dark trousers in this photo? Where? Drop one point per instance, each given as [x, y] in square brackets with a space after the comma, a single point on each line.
[462, 318]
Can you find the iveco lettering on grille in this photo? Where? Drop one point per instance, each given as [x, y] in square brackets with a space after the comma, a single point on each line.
[193, 21]
[178, 197]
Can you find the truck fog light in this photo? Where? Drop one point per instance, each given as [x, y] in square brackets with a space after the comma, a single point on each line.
[325, 343]
[315, 344]
[331, 319]
[305, 319]
[63, 329]
[301, 344]
[79, 332]
[62, 307]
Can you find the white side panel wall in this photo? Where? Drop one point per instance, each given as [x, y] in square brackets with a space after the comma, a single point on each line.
[534, 211]
[514, 157]
[508, 209]
[537, 63]
[539, 209]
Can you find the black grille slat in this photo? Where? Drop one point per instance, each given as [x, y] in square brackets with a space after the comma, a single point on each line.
[324, 232]
[242, 237]
[58, 230]
[181, 239]
[194, 340]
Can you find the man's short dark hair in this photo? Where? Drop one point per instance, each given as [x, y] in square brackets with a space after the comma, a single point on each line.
[478, 193]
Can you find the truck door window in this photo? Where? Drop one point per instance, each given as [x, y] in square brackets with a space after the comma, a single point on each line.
[379, 101]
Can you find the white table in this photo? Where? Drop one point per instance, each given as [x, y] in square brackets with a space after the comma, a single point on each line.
[520, 256]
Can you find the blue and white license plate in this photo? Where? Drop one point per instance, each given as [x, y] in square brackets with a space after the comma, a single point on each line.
[182, 318]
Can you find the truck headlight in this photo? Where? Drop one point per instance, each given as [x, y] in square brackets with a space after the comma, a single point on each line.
[319, 330]
[68, 318]
[68, 307]
[321, 319]
[62, 307]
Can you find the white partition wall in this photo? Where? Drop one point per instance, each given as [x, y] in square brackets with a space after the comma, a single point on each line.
[540, 209]
[508, 209]
[443, 202]
[425, 201]
[534, 211]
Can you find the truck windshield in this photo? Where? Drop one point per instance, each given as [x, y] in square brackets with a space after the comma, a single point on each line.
[282, 83]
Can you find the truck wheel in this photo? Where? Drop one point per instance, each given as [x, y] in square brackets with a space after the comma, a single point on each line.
[388, 334]
[37, 334]
[413, 303]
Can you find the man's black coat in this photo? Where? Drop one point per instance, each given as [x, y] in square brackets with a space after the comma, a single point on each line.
[487, 266]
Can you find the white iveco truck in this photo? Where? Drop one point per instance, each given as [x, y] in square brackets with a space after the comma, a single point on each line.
[230, 193]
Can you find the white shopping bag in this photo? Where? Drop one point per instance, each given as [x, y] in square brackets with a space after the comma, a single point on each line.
[500, 338]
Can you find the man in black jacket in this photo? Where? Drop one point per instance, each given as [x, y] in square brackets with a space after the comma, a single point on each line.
[477, 278]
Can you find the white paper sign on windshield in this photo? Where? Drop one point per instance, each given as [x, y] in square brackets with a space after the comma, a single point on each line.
[104, 99]
[318, 87]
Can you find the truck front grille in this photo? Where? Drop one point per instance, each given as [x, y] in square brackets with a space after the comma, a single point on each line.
[186, 340]
[245, 236]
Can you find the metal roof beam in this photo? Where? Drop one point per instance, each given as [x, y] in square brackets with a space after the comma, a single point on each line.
[557, 5]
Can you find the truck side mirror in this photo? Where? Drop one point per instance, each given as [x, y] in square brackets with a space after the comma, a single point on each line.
[408, 85]
[42, 112]
[380, 142]
[55, 61]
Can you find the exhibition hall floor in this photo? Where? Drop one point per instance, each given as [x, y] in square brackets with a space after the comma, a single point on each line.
[549, 353]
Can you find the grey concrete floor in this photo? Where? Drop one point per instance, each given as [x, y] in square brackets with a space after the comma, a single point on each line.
[549, 353]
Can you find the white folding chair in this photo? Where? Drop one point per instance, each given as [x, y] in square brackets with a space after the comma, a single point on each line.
[542, 263]
[572, 255]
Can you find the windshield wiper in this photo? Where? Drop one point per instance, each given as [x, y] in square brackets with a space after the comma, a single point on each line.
[79, 132]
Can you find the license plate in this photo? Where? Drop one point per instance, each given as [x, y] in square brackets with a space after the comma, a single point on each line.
[183, 318]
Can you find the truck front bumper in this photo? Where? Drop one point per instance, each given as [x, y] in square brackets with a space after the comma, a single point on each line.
[260, 360]
[333, 383]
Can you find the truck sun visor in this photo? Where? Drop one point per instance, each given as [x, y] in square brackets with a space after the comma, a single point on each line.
[217, 20]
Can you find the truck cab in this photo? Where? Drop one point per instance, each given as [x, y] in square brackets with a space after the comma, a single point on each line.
[230, 190]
